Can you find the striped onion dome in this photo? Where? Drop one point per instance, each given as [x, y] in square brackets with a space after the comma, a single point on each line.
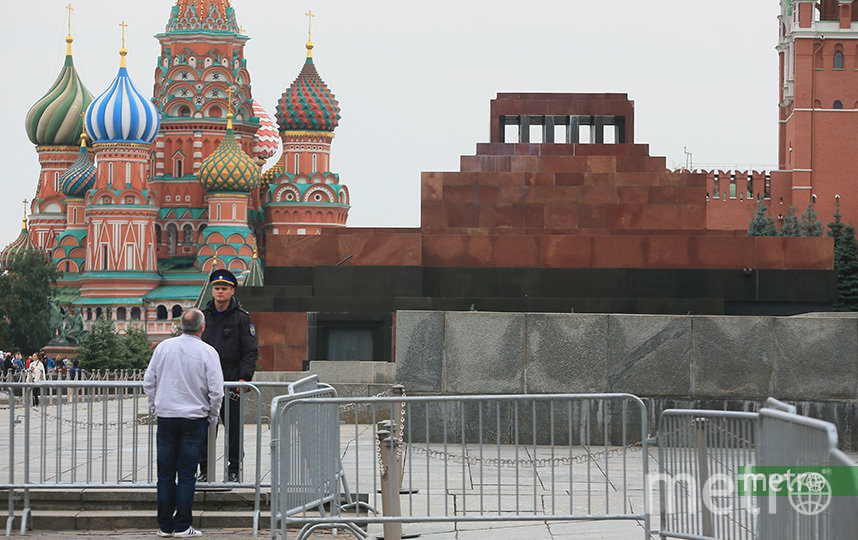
[80, 177]
[308, 105]
[55, 120]
[21, 245]
[229, 168]
[122, 113]
[266, 142]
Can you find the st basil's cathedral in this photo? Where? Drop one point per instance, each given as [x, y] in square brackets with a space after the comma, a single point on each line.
[139, 198]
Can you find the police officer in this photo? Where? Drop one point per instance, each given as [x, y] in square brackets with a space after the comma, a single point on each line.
[231, 332]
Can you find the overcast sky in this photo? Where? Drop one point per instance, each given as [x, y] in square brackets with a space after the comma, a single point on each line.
[414, 79]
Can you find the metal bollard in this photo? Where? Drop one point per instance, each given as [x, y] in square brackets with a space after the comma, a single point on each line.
[703, 467]
[390, 484]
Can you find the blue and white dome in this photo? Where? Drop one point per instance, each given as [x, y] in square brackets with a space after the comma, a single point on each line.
[122, 113]
[80, 177]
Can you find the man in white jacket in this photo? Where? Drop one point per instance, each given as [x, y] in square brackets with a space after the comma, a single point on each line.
[184, 383]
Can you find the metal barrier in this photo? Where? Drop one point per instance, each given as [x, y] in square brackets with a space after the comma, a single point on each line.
[787, 439]
[305, 464]
[695, 447]
[700, 455]
[460, 459]
[94, 434]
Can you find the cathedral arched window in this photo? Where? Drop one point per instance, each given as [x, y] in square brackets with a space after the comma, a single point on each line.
[161, 313]
[157, 234]
[135, 314]
[120, 314]
[176, 311]
[177, 168]
[296, 163]
[187, 234]
[315, 157]
[185, 112]
[215, 112]
[838, 104]
[110, 172]
[172, 238]
[838, 59]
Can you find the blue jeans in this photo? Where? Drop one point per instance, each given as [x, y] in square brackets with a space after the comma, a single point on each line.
[180, 442]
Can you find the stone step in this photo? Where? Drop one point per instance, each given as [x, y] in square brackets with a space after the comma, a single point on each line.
[100, 520]
[205, 499]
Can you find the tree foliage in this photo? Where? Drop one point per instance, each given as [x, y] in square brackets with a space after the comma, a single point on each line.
[761, 224]
[810, 225]
[791, 225]
[103, 348]
[25, 301]
[845, 262]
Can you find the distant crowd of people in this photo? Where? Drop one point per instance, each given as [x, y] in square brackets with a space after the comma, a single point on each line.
[37, 368]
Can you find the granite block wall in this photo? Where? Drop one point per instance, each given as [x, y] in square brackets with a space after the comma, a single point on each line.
[674, 356]
[713, 362]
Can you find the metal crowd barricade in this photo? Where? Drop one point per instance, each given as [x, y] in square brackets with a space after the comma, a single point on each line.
[788, 439]
[694, 449]
[498, 458]
[700, 455]
[103, 437]
[306, 471]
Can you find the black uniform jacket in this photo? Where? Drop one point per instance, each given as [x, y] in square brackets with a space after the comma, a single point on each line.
[233, 335]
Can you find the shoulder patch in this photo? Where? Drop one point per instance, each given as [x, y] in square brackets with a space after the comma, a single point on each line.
[252, 329]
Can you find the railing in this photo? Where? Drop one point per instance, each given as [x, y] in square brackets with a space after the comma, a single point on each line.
[463, 459]
[88, 434]
[711, 462]
[695, 449]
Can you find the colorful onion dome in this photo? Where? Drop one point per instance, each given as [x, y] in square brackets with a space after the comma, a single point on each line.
[80, 177]
[196, 15]
[55, 120]
[122, 113]
[229, 168]
[21, 245]
[266, 142]
[308, 105]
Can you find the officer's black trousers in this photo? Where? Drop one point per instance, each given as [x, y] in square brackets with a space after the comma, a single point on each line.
[235, 426]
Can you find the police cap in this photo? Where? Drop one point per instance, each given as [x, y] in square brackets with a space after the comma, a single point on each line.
[223, 277]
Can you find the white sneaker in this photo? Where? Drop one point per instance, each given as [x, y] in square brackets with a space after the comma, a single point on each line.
[191, 532]
[163, 534]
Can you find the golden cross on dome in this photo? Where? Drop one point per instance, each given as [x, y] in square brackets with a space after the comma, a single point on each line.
[25, 212]
[310, 16]
[229, 92]
[70, 8]
[123, 26]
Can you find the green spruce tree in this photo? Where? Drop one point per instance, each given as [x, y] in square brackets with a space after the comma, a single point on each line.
[810, 225]
[791, 225]
[761, 224]
[845, 262]
[138, 351]
[102, 348]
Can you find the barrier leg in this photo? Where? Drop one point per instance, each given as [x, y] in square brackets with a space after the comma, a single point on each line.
[703, 467]
[390, 485]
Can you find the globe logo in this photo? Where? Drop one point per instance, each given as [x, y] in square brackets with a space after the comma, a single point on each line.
[815, 496]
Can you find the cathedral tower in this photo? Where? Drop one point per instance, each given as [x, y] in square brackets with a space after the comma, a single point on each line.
[202, 56]
[303, 195]
[228, 175]
[120, 208]
[53, 125]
